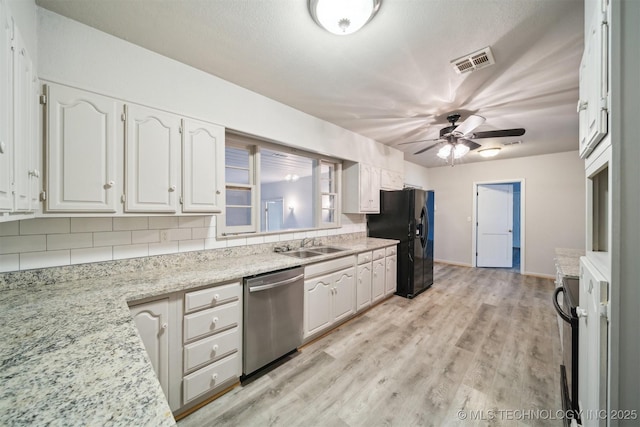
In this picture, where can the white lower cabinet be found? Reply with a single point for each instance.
(379, 275)
(329, 294)
(391, 272)
(152, 321)
(194, 341)
(365, 274)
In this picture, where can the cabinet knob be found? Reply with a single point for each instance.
(109, 184)
(214, 377)
(217, 191)
(164, 325)
(172, 188)
(3, 146)
(582, 105)
(214, 348)
(216, 297)
(214, 320)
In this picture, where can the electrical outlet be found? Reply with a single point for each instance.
(164, 236)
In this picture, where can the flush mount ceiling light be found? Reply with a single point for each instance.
(343, 17)
(489, 152)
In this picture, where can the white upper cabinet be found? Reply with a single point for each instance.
(592, 106)
(391, 180)
(6, 110)
(19, 149)
(24, 130)
(202, 167)
(152, 156)
(81, 151)
(361, 191)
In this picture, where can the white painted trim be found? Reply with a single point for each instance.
(474, 219)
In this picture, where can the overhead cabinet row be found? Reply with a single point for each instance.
(107, 156)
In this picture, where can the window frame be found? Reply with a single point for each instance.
(254, 145)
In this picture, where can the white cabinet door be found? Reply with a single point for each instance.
(202, 167)
(152, 320)
(594, 86)
(318, 293)
(152, 160)
(374, 190)
(390, 180)
(377, 282)
(365, 187)
(6, 110)
(593, 343)
(344, 294)
(363, 290)
(391, 277)
(23, 125)
(81, 151)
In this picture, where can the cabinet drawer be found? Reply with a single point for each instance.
(378, 254)
(211, 297)
(391, 250)
(365, 257)
(211, 320)
(329, 266)
(210, 377)
(208, 349)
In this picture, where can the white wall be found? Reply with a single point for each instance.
(75, 54)
(554, 200)
(416, 175)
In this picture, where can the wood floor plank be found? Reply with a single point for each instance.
(479, 339)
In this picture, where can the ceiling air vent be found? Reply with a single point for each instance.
(473, 61)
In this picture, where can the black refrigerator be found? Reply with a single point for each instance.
(407, 215)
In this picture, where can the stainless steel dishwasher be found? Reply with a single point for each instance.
(272, 317)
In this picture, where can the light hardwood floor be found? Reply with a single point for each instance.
(477, 340)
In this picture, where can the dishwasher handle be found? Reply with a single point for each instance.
(275, 285)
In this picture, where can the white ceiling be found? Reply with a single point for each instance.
(391, 81)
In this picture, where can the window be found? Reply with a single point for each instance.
(272, 188)
(240, 189)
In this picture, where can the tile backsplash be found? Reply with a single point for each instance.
(51, 242)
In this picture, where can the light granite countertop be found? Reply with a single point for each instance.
(568, 261)
(70, 352)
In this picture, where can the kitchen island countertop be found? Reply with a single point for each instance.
(71, 354)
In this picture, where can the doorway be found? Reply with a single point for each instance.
(273, 214)
(498, 225)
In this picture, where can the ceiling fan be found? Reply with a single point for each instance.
(456, 140)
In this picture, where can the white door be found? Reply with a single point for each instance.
(365, 188)
(391, 279)
(22, 124)
(377, 282)
(151, 320)
(203, 167)
(593, 343)
(494, 244)
(81, 151)
(152, 155)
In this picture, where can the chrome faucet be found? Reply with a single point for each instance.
(307, 240)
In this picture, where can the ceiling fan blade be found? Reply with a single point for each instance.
(471, 122)
(472, 145)
(498, 133)
(421, 140)
(425, 149)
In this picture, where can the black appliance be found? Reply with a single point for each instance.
(407, 215)
(570, 291)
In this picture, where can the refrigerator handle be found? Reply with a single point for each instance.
(424, 227)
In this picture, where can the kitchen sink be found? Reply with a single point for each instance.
(313, 251)
(326, 249)
(302, 254)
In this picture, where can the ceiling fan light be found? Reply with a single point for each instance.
(489, 152)
(343, 17)
(444, 152)
(460, 150)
